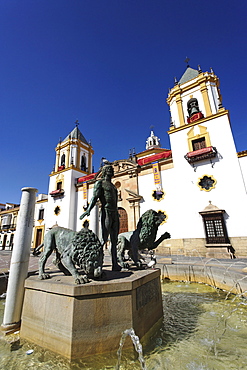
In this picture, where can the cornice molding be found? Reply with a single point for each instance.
(220, 113)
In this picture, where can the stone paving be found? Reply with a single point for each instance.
(237, 265)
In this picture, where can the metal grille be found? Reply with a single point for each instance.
(215, 229)
(199, 143)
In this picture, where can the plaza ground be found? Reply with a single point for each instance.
(228, 274)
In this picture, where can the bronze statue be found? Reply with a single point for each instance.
(106, 192)
(72, 248)
(142, 238)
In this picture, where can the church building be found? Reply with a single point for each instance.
(199, 183)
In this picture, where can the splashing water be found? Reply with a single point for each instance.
(137, 345)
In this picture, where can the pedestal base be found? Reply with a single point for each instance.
(81, 320)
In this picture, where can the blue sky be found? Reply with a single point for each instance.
(109, 64)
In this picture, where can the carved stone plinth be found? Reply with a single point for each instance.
(81, 320)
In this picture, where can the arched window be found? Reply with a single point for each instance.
(192, 106)
(83, 163)
(63, 160)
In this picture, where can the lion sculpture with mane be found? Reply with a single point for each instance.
(142, 238)
(82, 249)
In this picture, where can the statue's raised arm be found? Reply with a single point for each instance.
(93, 201)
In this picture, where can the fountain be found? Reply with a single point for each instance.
(203, 328)
(75, 317)
(81, 322)
(137, 345)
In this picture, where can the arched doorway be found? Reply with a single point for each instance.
(123, 218)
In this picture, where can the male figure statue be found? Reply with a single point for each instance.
(106, 192)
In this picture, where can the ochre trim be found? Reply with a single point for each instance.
(188, 125)
(60, 178)
(61, 147)
(78, 156)
(148, 152)
(72, 167)
(165, 220)
(42, 200)
(158, 200)
(68, 156)
(90, 155)
(204, 91)
(242, 154)
(57, 158)
(42, 227)
(203, 133)
(180, 111)
(213, 187)
(199, 80)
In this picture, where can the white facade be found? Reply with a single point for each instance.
(182, 176)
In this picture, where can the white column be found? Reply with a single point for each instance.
(19, 261)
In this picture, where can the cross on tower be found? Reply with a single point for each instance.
(187, 61)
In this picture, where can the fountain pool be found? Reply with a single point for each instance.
(203, 329)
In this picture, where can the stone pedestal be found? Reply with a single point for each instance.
(81, 320)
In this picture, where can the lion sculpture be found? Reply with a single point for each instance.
(82, 249)
(142, 238)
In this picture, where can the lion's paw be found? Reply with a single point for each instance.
(82, 279)
(139, 265)
(44, 276)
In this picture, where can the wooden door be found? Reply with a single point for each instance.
(123, 217)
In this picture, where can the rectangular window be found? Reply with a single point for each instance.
(215, 229)
(41, 214)
(59, 185)
(6, 220)
(199, 143)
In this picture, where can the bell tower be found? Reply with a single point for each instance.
(152, 141)
(197, 116)
(195, 96)
(73, 160)
(74, 152)
(205, 161)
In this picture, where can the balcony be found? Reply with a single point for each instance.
(201, 154)
(57, 193)
(10, 227)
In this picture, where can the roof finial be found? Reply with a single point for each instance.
(77, 123)
(187, 61)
